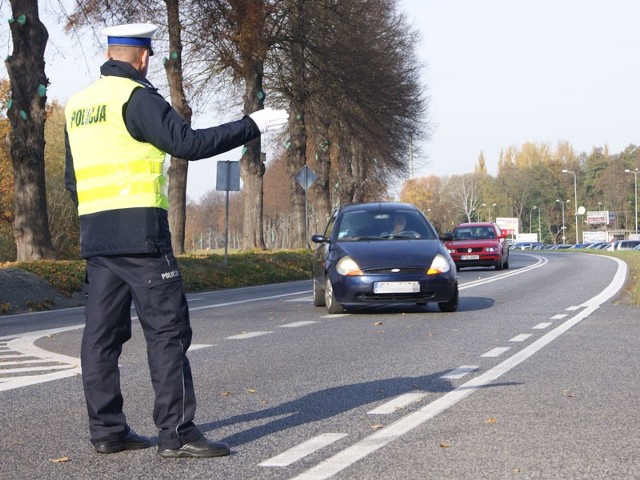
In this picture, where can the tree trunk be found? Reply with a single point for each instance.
(26, 114)
(296, 158)
(179, 167)
(252, 165)
(322, 187)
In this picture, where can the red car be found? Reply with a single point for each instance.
(480, 244)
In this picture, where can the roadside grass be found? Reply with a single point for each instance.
(199, 272)
(632, 259)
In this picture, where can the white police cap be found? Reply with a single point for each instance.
(131, 34)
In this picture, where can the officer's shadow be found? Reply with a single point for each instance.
(327, 403)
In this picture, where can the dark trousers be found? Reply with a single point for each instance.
(154, 284)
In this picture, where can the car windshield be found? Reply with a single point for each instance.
(358, 225)
(474, 233)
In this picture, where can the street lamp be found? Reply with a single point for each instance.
(532, 209)
(575, 198)
(564, 238)
(489, 206)
(635, 181)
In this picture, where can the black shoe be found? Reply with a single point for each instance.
(197, 449)
(132, 441)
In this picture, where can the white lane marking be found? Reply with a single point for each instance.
(496, 352)
(248, 300)
(521, 338)
(61, 366)
(25, 345)
(541, 326)
(25, 381)
(304, 449)
(460, 372)
(559, 316)
(20, 360)
(575, 307)
(335, 315)
(199, 346)
(4, 358)
(35, 369)
(382, 437)
(301, 323)
(244, 336)
(539, 263)
(398, 403)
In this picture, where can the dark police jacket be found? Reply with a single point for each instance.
(149, 118)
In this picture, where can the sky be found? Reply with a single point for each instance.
(498, 73)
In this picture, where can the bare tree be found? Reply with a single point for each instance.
(464, 192)
(27, 118)
(240, 34)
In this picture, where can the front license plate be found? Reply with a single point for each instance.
(470, 257)
(396, 287)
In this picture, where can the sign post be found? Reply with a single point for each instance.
(227, 179)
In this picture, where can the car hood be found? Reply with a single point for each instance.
(392, 253)
(472, 243)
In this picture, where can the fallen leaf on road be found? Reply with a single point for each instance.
(226, 393)
(378, 323)
(444, 445)
(491, 420)
(251, 390)
(60, 460)
(377, 426)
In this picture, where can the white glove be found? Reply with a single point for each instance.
(269, 119)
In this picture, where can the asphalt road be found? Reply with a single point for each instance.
(535, 377)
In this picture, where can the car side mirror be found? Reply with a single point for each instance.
(319, 239)
(447, 237)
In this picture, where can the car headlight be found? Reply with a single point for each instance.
(451, 250)
(440, 264)
(491, 249)
(347, 266)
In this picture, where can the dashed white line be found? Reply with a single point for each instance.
(541, 326)
(496, 352)
(245, 335)
(559, 316)
(521, 338)
(298, 324)
(460, 372)
(302, 450)
(398, 403)
(379, 439)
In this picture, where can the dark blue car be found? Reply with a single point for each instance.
(382, 253)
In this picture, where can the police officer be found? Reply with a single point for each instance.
(118, 132)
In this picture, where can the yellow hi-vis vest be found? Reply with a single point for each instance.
(113, 170)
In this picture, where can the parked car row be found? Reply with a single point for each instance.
(617, 245)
